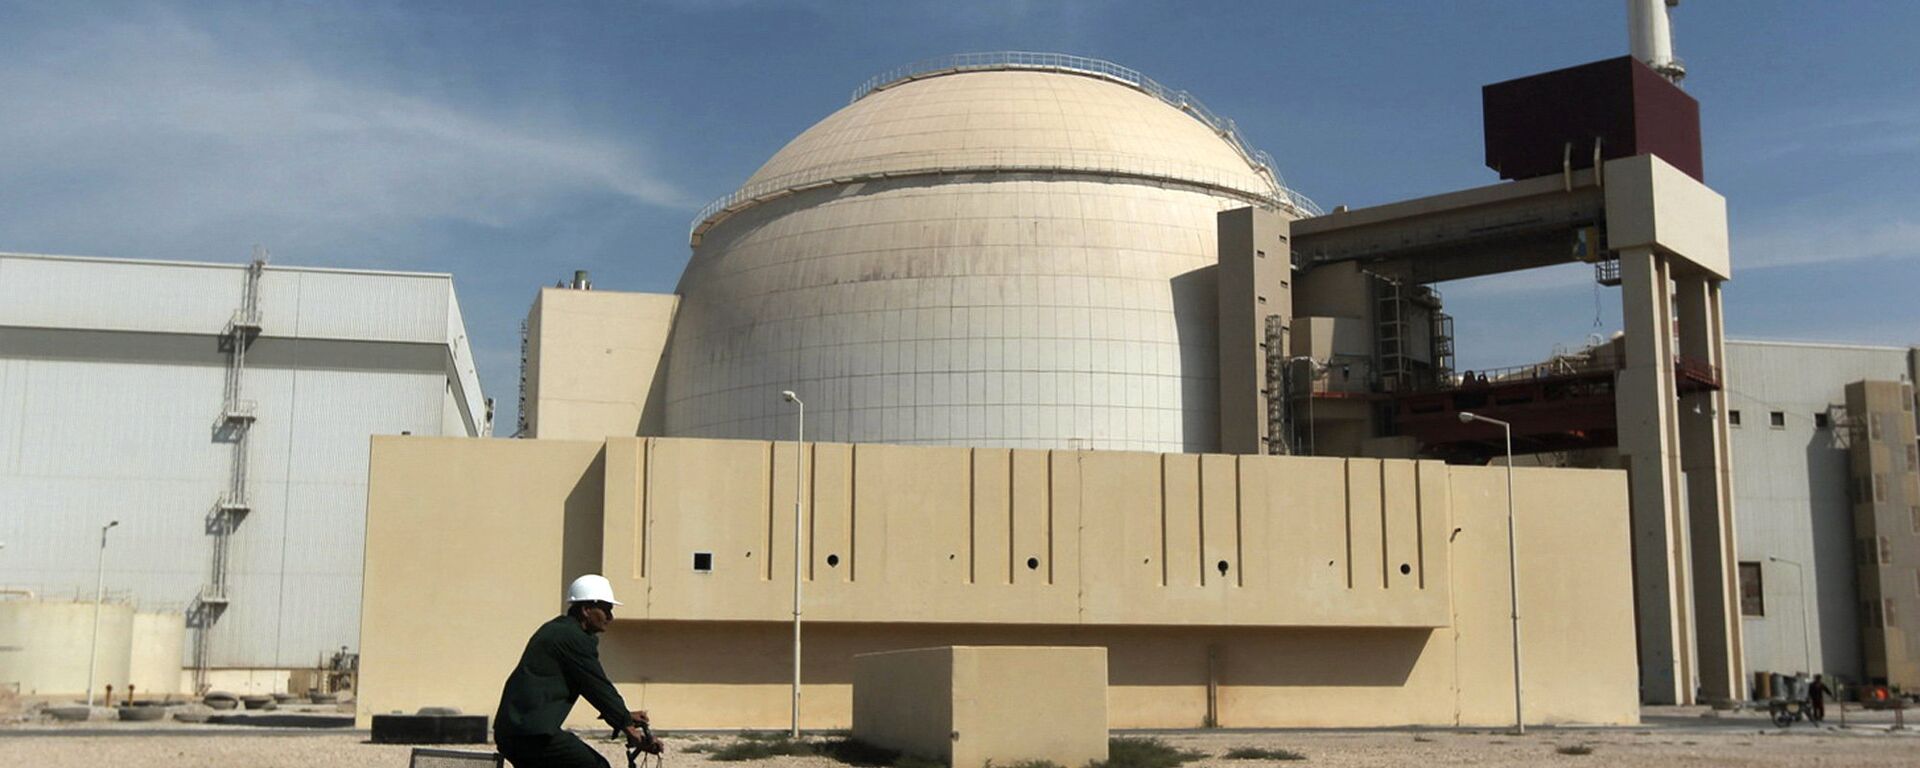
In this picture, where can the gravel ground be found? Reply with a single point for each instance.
(1684, 739)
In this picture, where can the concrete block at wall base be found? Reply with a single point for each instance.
(968, 706)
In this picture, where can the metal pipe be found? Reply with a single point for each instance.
(1513, 570)
(799, 459)
(99, 582)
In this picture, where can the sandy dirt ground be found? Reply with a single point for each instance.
(1668, 738)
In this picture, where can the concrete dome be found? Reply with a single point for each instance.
(995, 252)
(1012, 119)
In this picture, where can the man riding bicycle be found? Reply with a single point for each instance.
(561, 664)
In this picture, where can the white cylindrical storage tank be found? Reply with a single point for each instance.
(1005, 250)
(48, 644)
(159, 638)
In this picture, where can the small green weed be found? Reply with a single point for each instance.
(1575, 749)
(740, 751)
(1251, 753)
(1144, 753)
(916, 761)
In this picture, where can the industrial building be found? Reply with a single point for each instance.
(220, 413)
(1076, 367)
(1824, 478)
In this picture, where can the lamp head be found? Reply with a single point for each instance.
(789, 396)
(1466, 417)
(112, 523)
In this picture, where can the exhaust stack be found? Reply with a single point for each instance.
(1651, 36)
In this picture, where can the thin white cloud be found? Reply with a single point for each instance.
(161, 127)
(1804, 240)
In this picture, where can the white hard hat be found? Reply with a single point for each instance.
(591, 588)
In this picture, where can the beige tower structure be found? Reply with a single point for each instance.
(1634, 204)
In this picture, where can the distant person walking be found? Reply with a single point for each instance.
(1817, 693)
(561, 664)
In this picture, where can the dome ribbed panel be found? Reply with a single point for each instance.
(1010, 119)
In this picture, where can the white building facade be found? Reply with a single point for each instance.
(118, 402)
(1791, 435)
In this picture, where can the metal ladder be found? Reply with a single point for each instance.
(233, 425)
(1391, 335)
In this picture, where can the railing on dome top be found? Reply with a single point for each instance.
(1224, 128)
(1181, 100)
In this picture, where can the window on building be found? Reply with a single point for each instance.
(1778, 419)
(1879, 488)
(1733, 418)
(1886, 551)
(1906, 397)
(1913, 457)
(1888, 616)
(1822, 421)
(1752, 600)
(1873, 426)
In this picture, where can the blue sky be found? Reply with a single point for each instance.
(511, 143)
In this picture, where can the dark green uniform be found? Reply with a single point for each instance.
(561, 664)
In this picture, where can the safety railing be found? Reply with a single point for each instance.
(1274, 188)
(978, 161)
(1061, 62)
(1554, 368)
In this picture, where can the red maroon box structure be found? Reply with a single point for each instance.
(1625, 105)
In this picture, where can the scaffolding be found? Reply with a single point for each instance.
(1406, 360)
(232, 427)
(520, 420)
(1278, 425)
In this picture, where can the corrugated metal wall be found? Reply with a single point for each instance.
(88, 439)
(1790, 495)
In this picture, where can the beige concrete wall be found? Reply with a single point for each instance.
(1650, 203)
(903, 700)
(1312, 625)
(1253, 282)
(902, 534)
(593, 361)
(972, 706)
(468, 551)
(1001, 693)
(1886, 540)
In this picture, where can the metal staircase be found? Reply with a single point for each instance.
(1278, 425)
(232, 427)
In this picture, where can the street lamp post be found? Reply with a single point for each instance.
(1513, 570)
(1315, 369)
(1806, 632)
(99, 582)
(799, 435)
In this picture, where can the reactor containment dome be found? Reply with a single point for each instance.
(989, 249)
